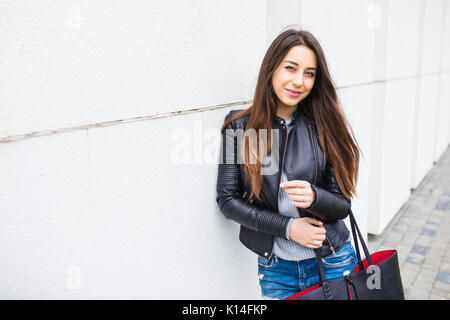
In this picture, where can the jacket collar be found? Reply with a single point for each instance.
(294, 116)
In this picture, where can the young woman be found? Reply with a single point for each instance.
(291, 214)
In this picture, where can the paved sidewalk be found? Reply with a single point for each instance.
(420, 231)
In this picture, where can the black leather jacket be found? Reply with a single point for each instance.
(303, 159)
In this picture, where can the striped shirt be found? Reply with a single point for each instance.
(289, 249)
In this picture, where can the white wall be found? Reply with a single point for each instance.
(389, 62)
(98, 99)
(349, 49)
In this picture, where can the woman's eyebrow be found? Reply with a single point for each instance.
(295, 63)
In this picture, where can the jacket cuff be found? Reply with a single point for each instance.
(329, 206)
(288, 226)
(315, 195)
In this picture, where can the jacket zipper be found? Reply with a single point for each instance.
(331, 247)
(282, 164)
(315, 177)
(279, 180)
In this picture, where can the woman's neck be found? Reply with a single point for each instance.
(285, 112)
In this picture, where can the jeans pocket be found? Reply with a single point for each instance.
(341, 258)
(266, 262)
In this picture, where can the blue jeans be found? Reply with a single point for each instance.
(280, 279)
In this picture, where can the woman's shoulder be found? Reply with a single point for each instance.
(239, 122)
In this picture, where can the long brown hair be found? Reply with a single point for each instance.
(321, 107)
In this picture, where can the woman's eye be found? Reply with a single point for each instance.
(311, 74)
(290, 68)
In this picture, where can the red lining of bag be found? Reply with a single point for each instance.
(376, 257)
(349, 291)
(303, 292)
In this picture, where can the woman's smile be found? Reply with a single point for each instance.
(294, 93)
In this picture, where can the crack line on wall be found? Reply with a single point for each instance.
(40, 133)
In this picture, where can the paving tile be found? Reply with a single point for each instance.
(418, 294)
(440, 214)
(423, 240)
(408, 276)
(438, 244)
(419, 249)
(417, 223)
(443, 205)
(423, 283)
(433, 221)
(411, 266)
(443, 276)
(394, 237)
(430, 266)
(442, 236)
(414, 260)
(433, 227)
(420, 232)
(436, 252)
(433, 259)
(402, 255)
(428, 232)
(400, 229)
(388, 245)
(446, 253)
(442, 285)
(445, 266)
(445, 223)
(409, 239)
(429, 275)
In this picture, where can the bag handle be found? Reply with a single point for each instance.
(354, 226)
(356, 234)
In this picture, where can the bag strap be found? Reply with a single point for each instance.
(323, 281)
(361, 239)
(356, 234)
(355, 240)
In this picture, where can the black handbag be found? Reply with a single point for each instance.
(375, 278)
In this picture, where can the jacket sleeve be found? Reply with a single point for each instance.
(229, 192)
(330, 204)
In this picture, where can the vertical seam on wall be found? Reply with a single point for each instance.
(376, 134)
(439, 80)
(417, 93)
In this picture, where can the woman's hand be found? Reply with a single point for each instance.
(299, 192)
(308, 232)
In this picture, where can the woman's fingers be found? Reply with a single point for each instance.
(298, 191)
(322, 231)
(314, 221)
(295, 197)
(320, 237)
(308, 232)
(315, 244)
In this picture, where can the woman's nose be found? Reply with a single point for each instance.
(298, 80)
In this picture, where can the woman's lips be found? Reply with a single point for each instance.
(293, 93)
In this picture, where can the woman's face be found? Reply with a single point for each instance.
(294, 78)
